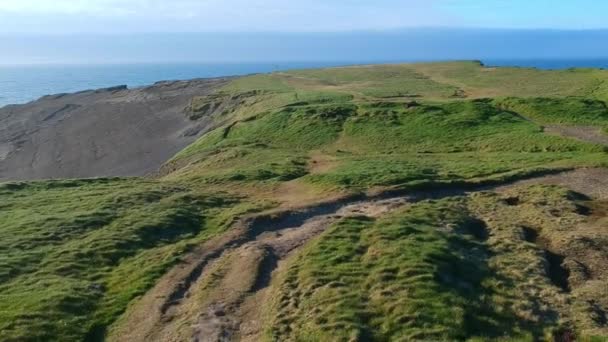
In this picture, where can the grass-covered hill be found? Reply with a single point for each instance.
(442, 201)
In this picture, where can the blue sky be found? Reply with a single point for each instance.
(134, 31)
(122, 16)
(352, 47)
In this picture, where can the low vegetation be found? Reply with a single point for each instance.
(486, 266)
(75, 253)
(383, 144)
(569, 111)
(463, 268)
(403, 277)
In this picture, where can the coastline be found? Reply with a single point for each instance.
(21, 84)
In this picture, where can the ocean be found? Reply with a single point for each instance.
(23, 83)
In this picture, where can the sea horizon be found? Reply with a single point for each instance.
(22, 83)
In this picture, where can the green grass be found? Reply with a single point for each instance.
(344, 113)
(295, 127)
(250, 163)
(384, 144)
(420, 170)
(75, 253)
(570, 111)
(456, 269)
(453, 127)
(445, 81)
(420, 274)
(377, 81)
(521, 261)
(481, 81)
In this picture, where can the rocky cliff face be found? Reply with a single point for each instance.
(106, 132)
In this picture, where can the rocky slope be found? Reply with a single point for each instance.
(106, 132)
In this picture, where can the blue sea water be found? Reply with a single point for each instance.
(549, 64)
(23, 83)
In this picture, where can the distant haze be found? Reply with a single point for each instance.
(136, 16)
(365, 46)
(227, 31)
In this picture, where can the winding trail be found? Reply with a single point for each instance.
(254, 247)
(591, 182)
(216, 292)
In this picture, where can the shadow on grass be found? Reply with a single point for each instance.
(467, 274)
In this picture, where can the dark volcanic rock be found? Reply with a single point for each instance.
(105, 132)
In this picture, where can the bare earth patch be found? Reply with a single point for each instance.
(571, 238)
(321, 163)
(592, 182)
(97, 133)
(208, 297)
(217, 292)
(296, 193)
(585, 133)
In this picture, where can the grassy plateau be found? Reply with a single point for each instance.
(520, 264)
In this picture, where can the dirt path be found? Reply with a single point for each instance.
(230, 270)
(591, 182)
(208, 296)
(589, 134)
(217, 292)
(238, 317)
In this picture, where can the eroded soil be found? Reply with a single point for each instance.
(216, 294)
(218, 291)
(592, 182)
(211, 296)
(590, 134)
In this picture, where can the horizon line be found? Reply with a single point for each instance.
(335, 63)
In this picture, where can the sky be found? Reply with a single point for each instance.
(137, 16)
(154, 31)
